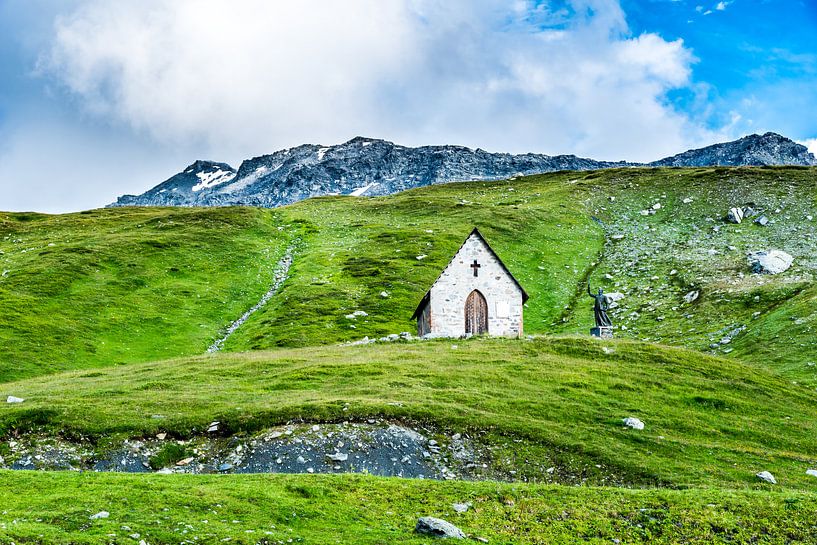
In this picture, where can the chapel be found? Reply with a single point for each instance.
(475, 294)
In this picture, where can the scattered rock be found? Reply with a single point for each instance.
(687, 200)
(763, 221)
(633, 423)
(617, 237)
(213, 427)
(735, 215)
(384, 294)
(12, 399)
(811, 472)
(184, 461)
(692, 296)
(161, 436)
(435, 527)
(766, 476)
(100, 515)
(770, 262)
(338, 457)
(461, 507)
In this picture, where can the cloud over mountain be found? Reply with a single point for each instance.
(249, 76)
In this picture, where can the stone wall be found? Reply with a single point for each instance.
(457, 281)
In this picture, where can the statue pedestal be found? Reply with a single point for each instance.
(602, 332)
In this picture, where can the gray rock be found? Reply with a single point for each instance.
(811, 472)
(461, 507)
(634, 423)
(770, 262)
(12, 399)
(767, 477)
(338, 457)
(763, 221)
(100, 515)
(735, 215)
(692, 296)
(369, 167)
(431, 526)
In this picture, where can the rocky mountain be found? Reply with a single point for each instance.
(364, 166)
(752, 150)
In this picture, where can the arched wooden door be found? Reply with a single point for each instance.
(476, 314)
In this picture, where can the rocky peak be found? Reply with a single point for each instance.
(368, 166)
(753, 150)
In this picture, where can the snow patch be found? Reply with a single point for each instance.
(321, 153)
(361, 190)
(246, 180)
(211, 179)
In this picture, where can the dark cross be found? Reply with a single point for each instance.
(476, 267)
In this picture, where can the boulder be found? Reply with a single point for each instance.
(692, 296)
(634, 423)
(735, 215)
(770, 262)
(13, 399)
(767, 477)
(435, 527)
(763, 221)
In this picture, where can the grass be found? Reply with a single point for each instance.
(709, 421)
(311, 509)
(111, 287)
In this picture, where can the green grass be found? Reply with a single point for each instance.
(111, 287)
(709, 421)
(164, 510)
(130, 285)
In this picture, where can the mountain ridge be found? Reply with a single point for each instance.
(373, 167)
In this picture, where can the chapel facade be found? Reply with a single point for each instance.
(475, 294)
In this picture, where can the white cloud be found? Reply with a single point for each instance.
(251, 76)
(811, 144)
(721, 6)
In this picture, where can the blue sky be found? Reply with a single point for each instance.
(99, 98)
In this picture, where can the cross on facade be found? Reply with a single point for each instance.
(476, 267)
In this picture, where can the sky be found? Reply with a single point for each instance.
(101, 98)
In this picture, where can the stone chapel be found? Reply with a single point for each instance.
(476, 294)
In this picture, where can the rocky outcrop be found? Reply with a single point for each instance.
(365, 166)
(753, 150)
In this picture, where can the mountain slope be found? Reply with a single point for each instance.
(535, 404)
(108, 287)
(370, 167)
(753, 150)
(379, 255)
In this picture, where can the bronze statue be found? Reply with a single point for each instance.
(600, 307)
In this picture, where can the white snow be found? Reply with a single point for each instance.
(246, 180)
(321, 153)
(361, 190)
(366, 144)
(211, 179)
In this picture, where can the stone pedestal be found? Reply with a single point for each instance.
(602, 332)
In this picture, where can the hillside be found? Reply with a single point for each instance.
(544, 410)
(379, 255)
(110, 287)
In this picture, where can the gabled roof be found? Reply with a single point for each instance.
(475, 231)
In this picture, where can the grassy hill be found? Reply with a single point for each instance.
(110, 287)
(105, 316)
(127, 285)
(538, 404)
(318, 509)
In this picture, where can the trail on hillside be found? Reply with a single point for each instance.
(281, 274)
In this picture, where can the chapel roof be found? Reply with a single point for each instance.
(424, 301)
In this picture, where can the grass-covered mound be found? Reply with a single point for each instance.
(164, 510)
(709, 421)
(131, 285)
(117, 286)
